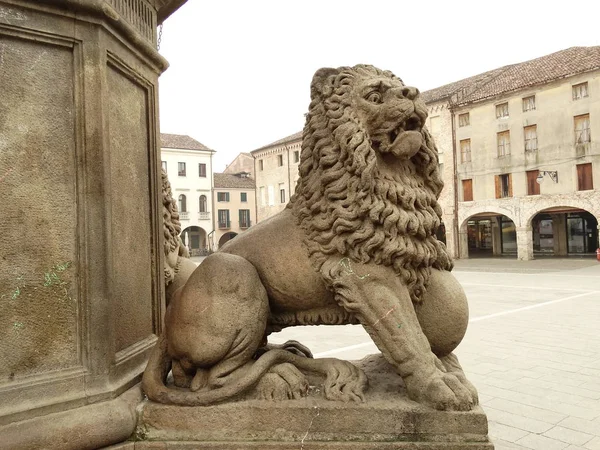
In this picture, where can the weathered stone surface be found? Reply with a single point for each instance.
(387, 419)
(81, 268)
(356, 244)
(88, 427)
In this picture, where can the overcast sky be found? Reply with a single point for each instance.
(241, 69)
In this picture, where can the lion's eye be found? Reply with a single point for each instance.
(374, 97)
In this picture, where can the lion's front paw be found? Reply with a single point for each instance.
(282, 382)
(446, 392)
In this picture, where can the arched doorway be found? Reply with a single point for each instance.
(226, 237)
(489, 234)
(562, 231)
(195, 239)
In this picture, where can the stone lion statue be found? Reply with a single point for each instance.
(177, 267)
(355, 245)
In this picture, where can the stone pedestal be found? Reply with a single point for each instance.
(387, 420)
(81, 279)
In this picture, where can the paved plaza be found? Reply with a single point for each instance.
(532, 349)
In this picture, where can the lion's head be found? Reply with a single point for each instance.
(173, 246)
(369, 177)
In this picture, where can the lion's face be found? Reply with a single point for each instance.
(392, 114)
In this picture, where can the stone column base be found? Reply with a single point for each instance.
(88, 427)
(387, 420)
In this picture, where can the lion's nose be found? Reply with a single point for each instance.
(410, 92)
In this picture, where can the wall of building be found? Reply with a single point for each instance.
(274, 177)
(193, 187)
(553, 116)
(233, 205)
(244, 162)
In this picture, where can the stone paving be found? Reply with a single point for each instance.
(532, 349)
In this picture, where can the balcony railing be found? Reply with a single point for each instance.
(226, 224)
(203, 216)
(184, 215)
(245, 224)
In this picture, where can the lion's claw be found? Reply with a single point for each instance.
(446, 392)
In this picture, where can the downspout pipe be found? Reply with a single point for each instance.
(455, 223)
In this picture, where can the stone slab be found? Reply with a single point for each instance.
(386, 420)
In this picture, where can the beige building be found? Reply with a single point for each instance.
(235, 205)
(276, 168)
(244, 162)
(520, 157)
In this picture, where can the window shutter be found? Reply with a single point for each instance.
(497, 186)
(240, 216)
(510, 192)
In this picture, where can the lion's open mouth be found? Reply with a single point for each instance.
(413, 123)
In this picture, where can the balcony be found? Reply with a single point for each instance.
(224, 225)
(184, 215)
(203, 216)
(245, 224)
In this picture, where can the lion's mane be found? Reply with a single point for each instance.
(171, 229)
(346, 206)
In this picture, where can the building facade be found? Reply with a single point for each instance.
(189, 166)
(235, 205)
(525, 157)
(244, 162)
(276, 169)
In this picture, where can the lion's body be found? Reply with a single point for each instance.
(356, 245)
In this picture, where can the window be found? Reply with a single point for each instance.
(222, 196)
(463, 120)
(580, 90)
(202, 170)
(182, 203)
(585, 181)
(223, 217)
(243, 197)
(530, 134)
(529, 103)
(582, 129)
(261, 165)
(503, 143)
(164, 165)
(181, 169)
(280, 160)
(263, 198)
(503, 186)
(296, 156)
(281, 193)
(501, 110)
(465, 150)
(533, 187)
(244, 218)
(467, 186)
(202, 205)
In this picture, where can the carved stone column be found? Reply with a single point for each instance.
(81, 283)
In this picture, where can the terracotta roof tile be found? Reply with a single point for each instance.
(561, 64)
(181, 141)
(226, 180)
(291, 138)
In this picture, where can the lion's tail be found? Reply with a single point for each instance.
(155, 375)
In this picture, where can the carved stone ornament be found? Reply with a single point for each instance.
(355, 245)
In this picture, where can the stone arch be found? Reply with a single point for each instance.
(226, 237)
(568, 229)
(195, 239)
(486, 231)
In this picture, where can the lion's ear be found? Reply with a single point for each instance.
(322, 82)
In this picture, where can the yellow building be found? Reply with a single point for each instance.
(520, 144)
